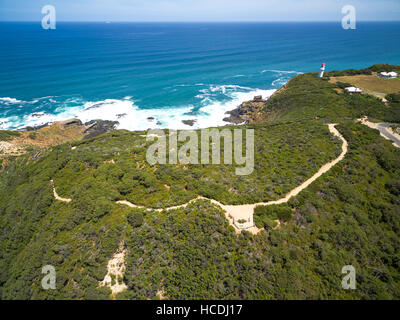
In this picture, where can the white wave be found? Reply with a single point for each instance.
(6, 123)
(188, 85)
(210, 113)
(216, 112)
(280, 81)
(10, 100)
(225, 88)
(283, 71)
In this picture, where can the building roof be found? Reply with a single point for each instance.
(389, 74)
(353, 89)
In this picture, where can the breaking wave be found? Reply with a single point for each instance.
(209, 110)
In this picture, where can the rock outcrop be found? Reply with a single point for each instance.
(244, 112)
(97, 127)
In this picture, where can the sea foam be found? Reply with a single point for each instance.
(208, 112)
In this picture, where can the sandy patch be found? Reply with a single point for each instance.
(56, 196)
(115, 272)
(10, 149)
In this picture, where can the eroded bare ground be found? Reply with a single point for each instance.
(10, 149)
(115, 272)
(54, 134)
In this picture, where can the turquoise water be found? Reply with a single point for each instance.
(170, 71)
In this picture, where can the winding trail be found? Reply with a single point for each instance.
(241, 216)
(384, 130)
(56, 196)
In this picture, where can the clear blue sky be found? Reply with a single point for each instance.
(199, 10)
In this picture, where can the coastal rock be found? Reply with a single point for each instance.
(100, 104)
(37, 115)
(244, 112)
(70, 122)
(189, 122)
(97, 127)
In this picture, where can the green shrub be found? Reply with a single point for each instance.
(268, 223)
(284, 214)
(393, 97)
(135, 218)
(343, 85)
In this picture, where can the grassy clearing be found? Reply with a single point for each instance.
(371, 84)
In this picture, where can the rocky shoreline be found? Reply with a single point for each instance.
(245, 112)
(90, 129)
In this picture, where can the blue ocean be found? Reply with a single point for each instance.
(148, 75)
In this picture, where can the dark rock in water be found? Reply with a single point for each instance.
(37, 115)
(97, 127)
(244, 112)
(121, 115)
(189, 122)
(99, 105)
(159, 123)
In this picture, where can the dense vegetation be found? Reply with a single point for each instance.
(351, 215)
(367, 71)
(308, 97)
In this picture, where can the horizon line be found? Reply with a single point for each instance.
(199, 21)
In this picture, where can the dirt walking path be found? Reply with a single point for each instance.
(384, 130)
(241, 216)
(235, 213)
(56, 196)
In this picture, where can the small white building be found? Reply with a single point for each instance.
(353, 90)
(388, 75)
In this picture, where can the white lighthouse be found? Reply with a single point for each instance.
(322, 70)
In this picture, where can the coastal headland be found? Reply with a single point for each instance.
(323, 194)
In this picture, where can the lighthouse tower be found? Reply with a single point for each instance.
(322, 70)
